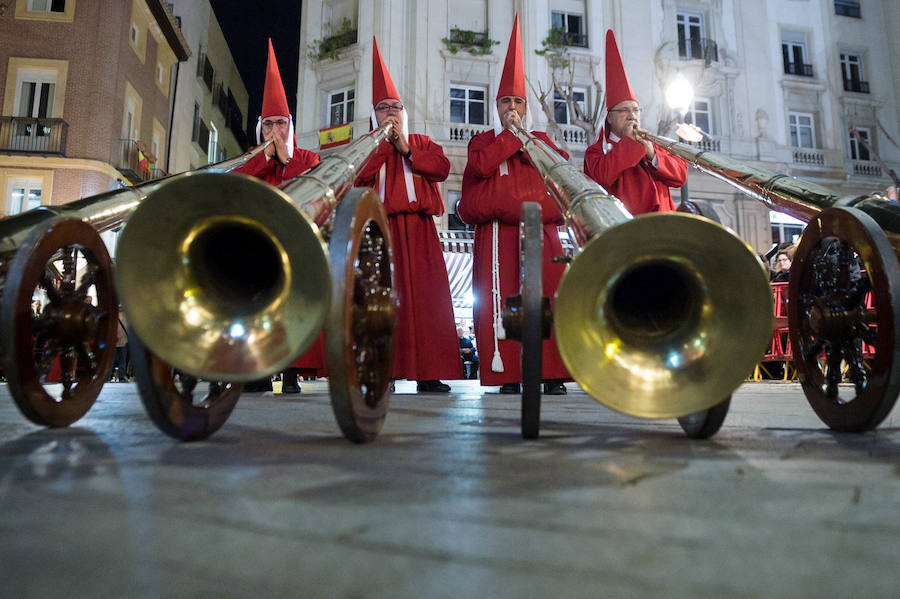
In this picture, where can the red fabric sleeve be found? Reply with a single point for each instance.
(257, 166)
(485, 155)
(672, 170)
(428, 159)
(366, 177)
(606, 169)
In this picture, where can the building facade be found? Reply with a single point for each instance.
(86, 97)
(209, 120)
(777, 83)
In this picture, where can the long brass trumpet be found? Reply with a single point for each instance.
(226, 277)
(657, 316)
(849, 250)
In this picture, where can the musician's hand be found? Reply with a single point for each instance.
(510, 118)
(631, 130)
(396, 137)
(278, 146)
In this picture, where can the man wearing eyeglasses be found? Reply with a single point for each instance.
(630, 167)
(405, 172)
(282, 159)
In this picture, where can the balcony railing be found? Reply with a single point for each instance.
(461, 132)
(698, 49)
(809, 156)
(855, 85)
(573, 135)
(576, 40)
(796, 68)
(33, 136)
(847, 8)
(707, 145)
(866, 168)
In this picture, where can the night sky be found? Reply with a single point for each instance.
(246, 25)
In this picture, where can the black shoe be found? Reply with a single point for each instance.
(260, 386)
(554, 387)
(290, 389)
(510, 389)
(432, 387)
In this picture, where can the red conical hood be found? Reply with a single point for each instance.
(512, 82)
(382, 85)
(617, 86)
(274, 101)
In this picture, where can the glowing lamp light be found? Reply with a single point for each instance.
(679, 94)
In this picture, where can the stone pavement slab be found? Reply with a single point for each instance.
(449, 501)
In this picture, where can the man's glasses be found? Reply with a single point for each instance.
(269, 124)
(389, 107)
(635, 111)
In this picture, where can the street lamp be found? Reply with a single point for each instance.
(679, 96)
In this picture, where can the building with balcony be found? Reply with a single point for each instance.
(209, 120)
(777, 84)
(86, 97)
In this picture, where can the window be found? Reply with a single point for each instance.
(56, 6)
(195, 129)
(847, 8)
(852, 71)
(35, 100)
(793, 52)
(212, 148)
(859, 151)
(561, 108)
(159, 73)
(23, 194)
(135, 34)
(572, 26)
(467, 105)
(690, 32)
(340, 106)
(700, 115)
(802, 130)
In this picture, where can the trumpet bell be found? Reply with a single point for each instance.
(663, 316)
(223, 277)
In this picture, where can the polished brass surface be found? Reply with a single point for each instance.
(658, 316)
(226, 277)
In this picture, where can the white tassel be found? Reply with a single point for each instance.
(499, 331)
(497, 363)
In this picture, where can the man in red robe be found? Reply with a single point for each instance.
(498, 178)
(629, 167)
(405, 172)
(281, 161)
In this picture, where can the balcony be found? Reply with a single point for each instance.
(796, 68)
(576, 40)
(707, 144)
(33, 136)
(855, 85)
(847, 8)
(698, 49)
(573, 135)
(866, 168)
(137, 162)
(463, 133)
(808, 157)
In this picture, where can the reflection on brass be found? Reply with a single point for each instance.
(657, 316)
(226, 277)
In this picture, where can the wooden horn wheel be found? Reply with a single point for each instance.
(705, 423)
(173, 400)
(842, 256)
(70, 335)
(359, 329)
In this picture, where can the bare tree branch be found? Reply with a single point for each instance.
(859, 138)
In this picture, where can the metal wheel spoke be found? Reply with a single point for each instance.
(87, 281)
(49, 285)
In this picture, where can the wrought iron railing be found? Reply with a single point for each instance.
(33, 135)
(134, 164)
(855, 85)
(796, 68)
(698, 48)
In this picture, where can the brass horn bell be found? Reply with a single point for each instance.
(223, 277)
(663, 316)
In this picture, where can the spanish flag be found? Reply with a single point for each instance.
(334, 136)
(143, 162)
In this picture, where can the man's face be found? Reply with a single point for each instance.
(623, 117)
(507, 103)
(275, 123)
(388, 110)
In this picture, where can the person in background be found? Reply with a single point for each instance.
(468, 354)
(625, 164)
(499, 177)
(405, 172)
(783, 260)
(281, 161)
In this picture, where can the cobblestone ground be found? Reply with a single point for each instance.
(449, 501)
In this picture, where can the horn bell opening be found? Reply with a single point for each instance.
(663, 316)
(223, 277)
